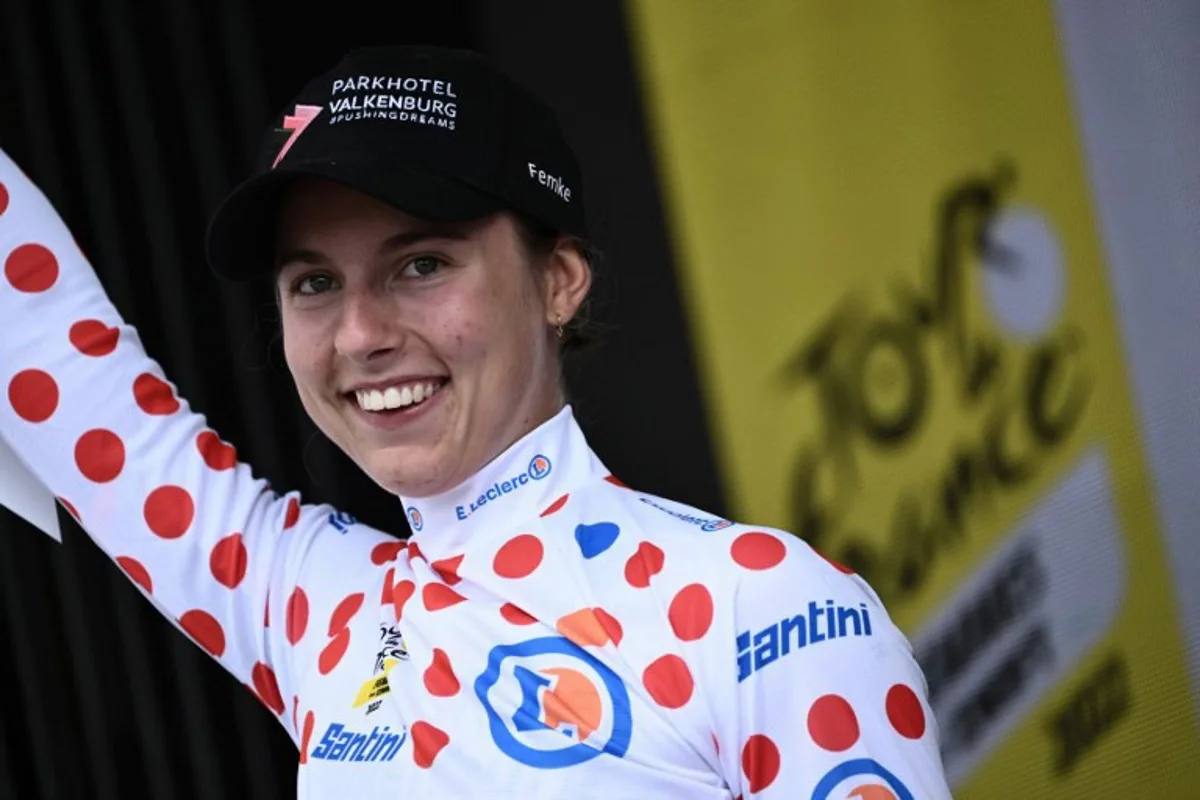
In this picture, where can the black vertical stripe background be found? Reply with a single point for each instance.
(135, 118)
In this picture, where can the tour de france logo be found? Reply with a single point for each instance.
(551, 704)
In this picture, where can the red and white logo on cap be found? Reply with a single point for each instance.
(296, 122)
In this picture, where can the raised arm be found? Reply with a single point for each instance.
(159, 492)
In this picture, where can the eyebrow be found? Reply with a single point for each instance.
(398, 241)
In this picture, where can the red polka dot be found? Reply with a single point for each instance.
(414, 551)
(134, 569)
(31, 268)
(344, 612)
(331, 656)
(610, 625)
(154, 395)
(33, 394)
(669, 681)
(295, 711)
(428, 741)
(832, 724)
(615, 481)
(757, 550)
(388, 587)
(100, 455)
(691, 612)
(905, 713)
(169, 511)
(515, 615)
(228, 560)
(760, 762)
(437, 596)
(643, 565)
(306, 736)
(385, 552)
(404, 590)
(267, 613)
(70, 508)
(555, 506)
(440, 680)
(297, 615)
(217, 454)
(447, 569)
(3, 198)
(519, 556)
(267, 687)
(93, 338)
(205, 629)
(293, 513)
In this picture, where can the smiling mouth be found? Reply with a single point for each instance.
(398, 397)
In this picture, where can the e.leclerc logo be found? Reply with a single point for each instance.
(539, 467)
(415, 521)
(571, 706)
(862, 779)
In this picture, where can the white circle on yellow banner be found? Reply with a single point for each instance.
(1025, 281)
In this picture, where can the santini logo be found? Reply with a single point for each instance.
(822, 623)
(342, 744)
(539, 467)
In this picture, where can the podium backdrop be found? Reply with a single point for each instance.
(915, 281)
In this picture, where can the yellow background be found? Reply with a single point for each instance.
(803, 147)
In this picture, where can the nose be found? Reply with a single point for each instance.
(368, 328)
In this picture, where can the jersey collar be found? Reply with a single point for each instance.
(520, 484)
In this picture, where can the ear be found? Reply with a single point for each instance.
(568, 278)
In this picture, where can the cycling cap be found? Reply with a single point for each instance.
(437, 133)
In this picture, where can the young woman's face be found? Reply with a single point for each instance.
(422, 350)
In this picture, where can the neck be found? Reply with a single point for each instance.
(518, 485)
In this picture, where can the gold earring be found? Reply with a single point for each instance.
(558, 325)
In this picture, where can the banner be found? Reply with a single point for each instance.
(903, 317)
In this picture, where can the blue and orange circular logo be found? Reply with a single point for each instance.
(415, 521)
(551, 704)
(539, 467)
(861, 779)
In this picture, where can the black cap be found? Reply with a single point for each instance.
(437, 133)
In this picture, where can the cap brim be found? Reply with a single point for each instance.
(241, 234)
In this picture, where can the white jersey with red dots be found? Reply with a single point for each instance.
(545, 632)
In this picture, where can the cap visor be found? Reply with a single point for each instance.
(241, 235)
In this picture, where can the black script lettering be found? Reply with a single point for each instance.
(870, 372)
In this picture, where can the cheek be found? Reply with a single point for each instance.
(303, 359)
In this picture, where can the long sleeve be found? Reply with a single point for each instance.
(830, 701)
(211, 546)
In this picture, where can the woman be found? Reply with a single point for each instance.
(545, 632)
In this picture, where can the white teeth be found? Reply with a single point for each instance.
(394, 397)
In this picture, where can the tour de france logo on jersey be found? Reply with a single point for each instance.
(551, 704)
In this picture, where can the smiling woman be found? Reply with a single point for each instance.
(377, 305)
(546, 631)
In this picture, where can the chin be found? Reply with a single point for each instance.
(402, 471)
